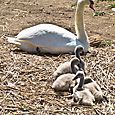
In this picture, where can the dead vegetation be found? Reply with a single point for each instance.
(25, 79)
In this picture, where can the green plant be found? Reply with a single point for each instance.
(99, 13)
(111, 6)
(105, 0)
(105, 43)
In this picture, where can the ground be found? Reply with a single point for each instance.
(26, 79)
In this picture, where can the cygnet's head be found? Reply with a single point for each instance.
(78, 49)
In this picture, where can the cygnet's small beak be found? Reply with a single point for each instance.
(91, 5)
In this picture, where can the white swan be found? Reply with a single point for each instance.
(49, 38)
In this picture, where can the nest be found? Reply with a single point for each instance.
(26, 79)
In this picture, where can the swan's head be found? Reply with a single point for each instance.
(88, 2)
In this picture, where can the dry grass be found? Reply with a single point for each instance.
(25, 83)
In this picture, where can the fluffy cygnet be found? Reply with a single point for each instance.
(80, 94)
(63, 83)
(67, 68)
(94, 88)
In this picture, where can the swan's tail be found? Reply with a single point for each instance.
(13, 40)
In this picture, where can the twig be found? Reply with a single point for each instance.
(98, 112)
(102, 70)
(4, 98)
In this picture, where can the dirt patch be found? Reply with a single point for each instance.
(25, 79)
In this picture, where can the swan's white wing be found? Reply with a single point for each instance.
(46, 30)
(47, 35)
(49, 38)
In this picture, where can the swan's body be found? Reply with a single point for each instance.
(49, 38)
(81, 94)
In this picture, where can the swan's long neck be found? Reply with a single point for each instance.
(81, 65)
(79, 22)
(74, 63)
(77, 54)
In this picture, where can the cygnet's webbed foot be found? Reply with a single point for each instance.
(102, 99)
(38, 50)
(75, 100)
